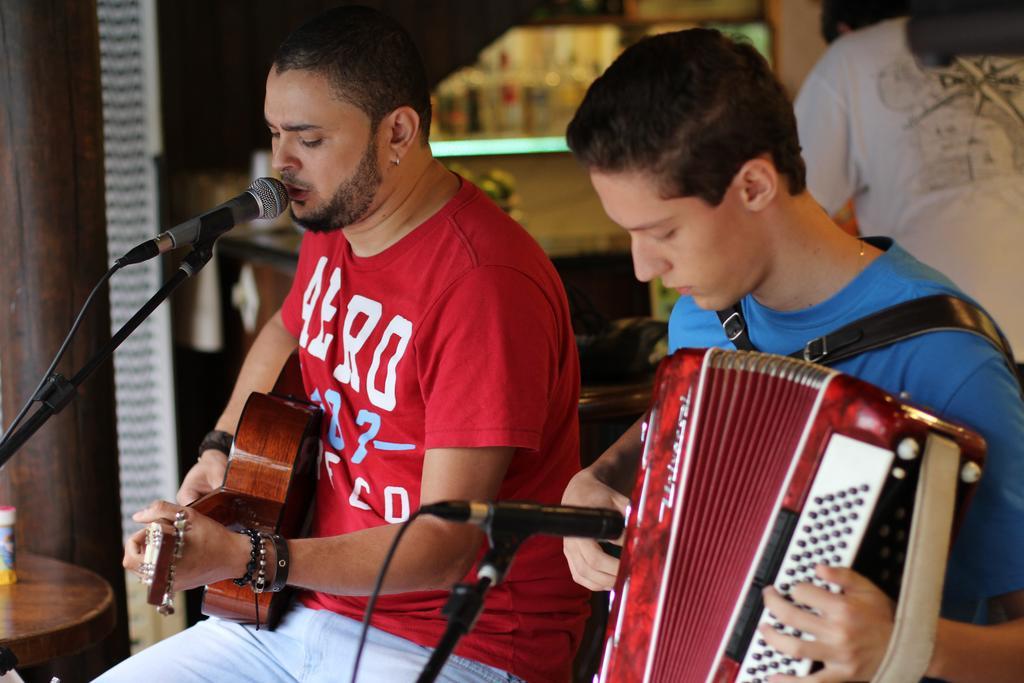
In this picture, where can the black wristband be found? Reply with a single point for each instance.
(216, 440)
(282, 562)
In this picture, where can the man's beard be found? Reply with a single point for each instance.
(352, 199)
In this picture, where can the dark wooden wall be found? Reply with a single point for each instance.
(53, 247)
(214, 59)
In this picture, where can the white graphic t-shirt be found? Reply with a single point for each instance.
(933, 157)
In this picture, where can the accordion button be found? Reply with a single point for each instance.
(908, 449)
(970, 473)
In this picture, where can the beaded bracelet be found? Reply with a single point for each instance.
(259, 582)
(254, 552)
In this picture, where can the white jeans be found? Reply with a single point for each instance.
(308, 646)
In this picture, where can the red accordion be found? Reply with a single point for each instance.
(755, 469)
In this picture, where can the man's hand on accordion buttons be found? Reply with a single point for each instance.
(591, 566)
(851, 629)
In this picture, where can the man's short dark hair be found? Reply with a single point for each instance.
(369, 59)
(690, 108)
(857, 14)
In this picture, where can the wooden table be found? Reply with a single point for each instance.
(54, 609)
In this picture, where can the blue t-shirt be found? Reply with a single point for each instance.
(957, 375)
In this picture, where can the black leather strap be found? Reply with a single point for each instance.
(282, 562)
(735, 327)
(937, 313)
(216, 440)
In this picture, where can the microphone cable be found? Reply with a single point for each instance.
(35, 396)
(372, 601)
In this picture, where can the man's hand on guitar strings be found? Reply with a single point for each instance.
(212, 552)
(851, 629)
(591, 566)
(205, 476)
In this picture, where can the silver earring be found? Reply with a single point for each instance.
(395, 161)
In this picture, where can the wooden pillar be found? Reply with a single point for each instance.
(64, 481)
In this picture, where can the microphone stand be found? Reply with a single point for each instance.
(467, 600)
(58, 391)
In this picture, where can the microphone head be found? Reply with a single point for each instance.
(271, 195)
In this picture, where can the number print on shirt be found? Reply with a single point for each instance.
(372, 421)
(333, 408)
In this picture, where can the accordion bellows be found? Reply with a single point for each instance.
(755, 469)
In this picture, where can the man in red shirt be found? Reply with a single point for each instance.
(436, 336)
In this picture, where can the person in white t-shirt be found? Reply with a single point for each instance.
(933, 157)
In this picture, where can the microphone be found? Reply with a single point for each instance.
(265, 198)
(528, 518)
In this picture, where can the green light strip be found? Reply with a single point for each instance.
(475, 148)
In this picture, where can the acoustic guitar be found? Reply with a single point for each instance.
(268, 486)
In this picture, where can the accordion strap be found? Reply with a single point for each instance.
(937, 313)
(735, 327)
(917, 613)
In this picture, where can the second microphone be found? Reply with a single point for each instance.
(530, 518)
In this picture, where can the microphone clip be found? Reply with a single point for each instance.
(498, 558)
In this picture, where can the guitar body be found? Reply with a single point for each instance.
(269, 485)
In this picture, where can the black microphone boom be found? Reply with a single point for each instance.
(265, 198)
(524, 519)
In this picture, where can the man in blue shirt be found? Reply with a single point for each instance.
(691, 145)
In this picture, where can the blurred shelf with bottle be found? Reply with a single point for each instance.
(521, 93)
(500, 122)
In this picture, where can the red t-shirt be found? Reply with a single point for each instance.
(456, 336)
